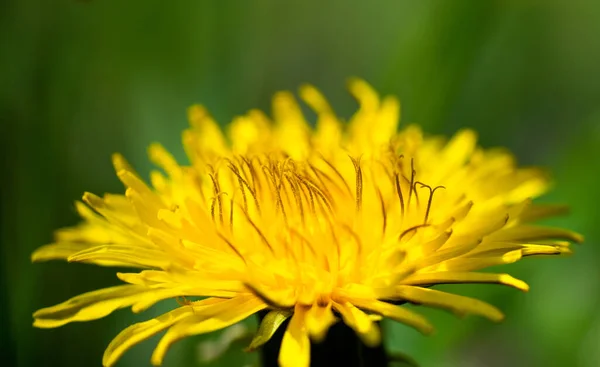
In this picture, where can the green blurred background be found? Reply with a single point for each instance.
(80, 80)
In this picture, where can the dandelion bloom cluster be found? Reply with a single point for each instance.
(337, 221)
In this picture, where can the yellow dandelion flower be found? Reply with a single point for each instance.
(315, 224)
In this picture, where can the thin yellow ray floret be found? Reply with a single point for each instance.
(295, 346)
(210, 318)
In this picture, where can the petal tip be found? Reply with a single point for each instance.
(35, 256)
(499, 318)
(430, 330)
(514, 282)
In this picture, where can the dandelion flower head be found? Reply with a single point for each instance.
(340, 222)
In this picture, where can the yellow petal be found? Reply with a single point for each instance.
(149, 299)
(170, 245)
(142, 331)
(318, 321)
(292, 131)
(490, 249)
(366, 96)
(145, 201)
(126, 255)
(433, 245)
(365, 327)
(478, 261)
(207, 134)
(526, 233)
(449, 277)
(533, 249)
(244, 133)
(162, 158)
(173, 285)
(295, 346)
(459, 148)
(396, 313)
(59, 251)
(313, 97)
(120, 163)
(121, 204)
(386, 122)
(462, 247)
(460, 305)
(98, 229)
(88, 306)
(113, 216)
(206, 319)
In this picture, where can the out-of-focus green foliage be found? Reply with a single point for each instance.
(82, 79)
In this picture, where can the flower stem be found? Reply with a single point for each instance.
(341, 347)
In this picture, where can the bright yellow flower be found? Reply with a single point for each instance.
(308, 223)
